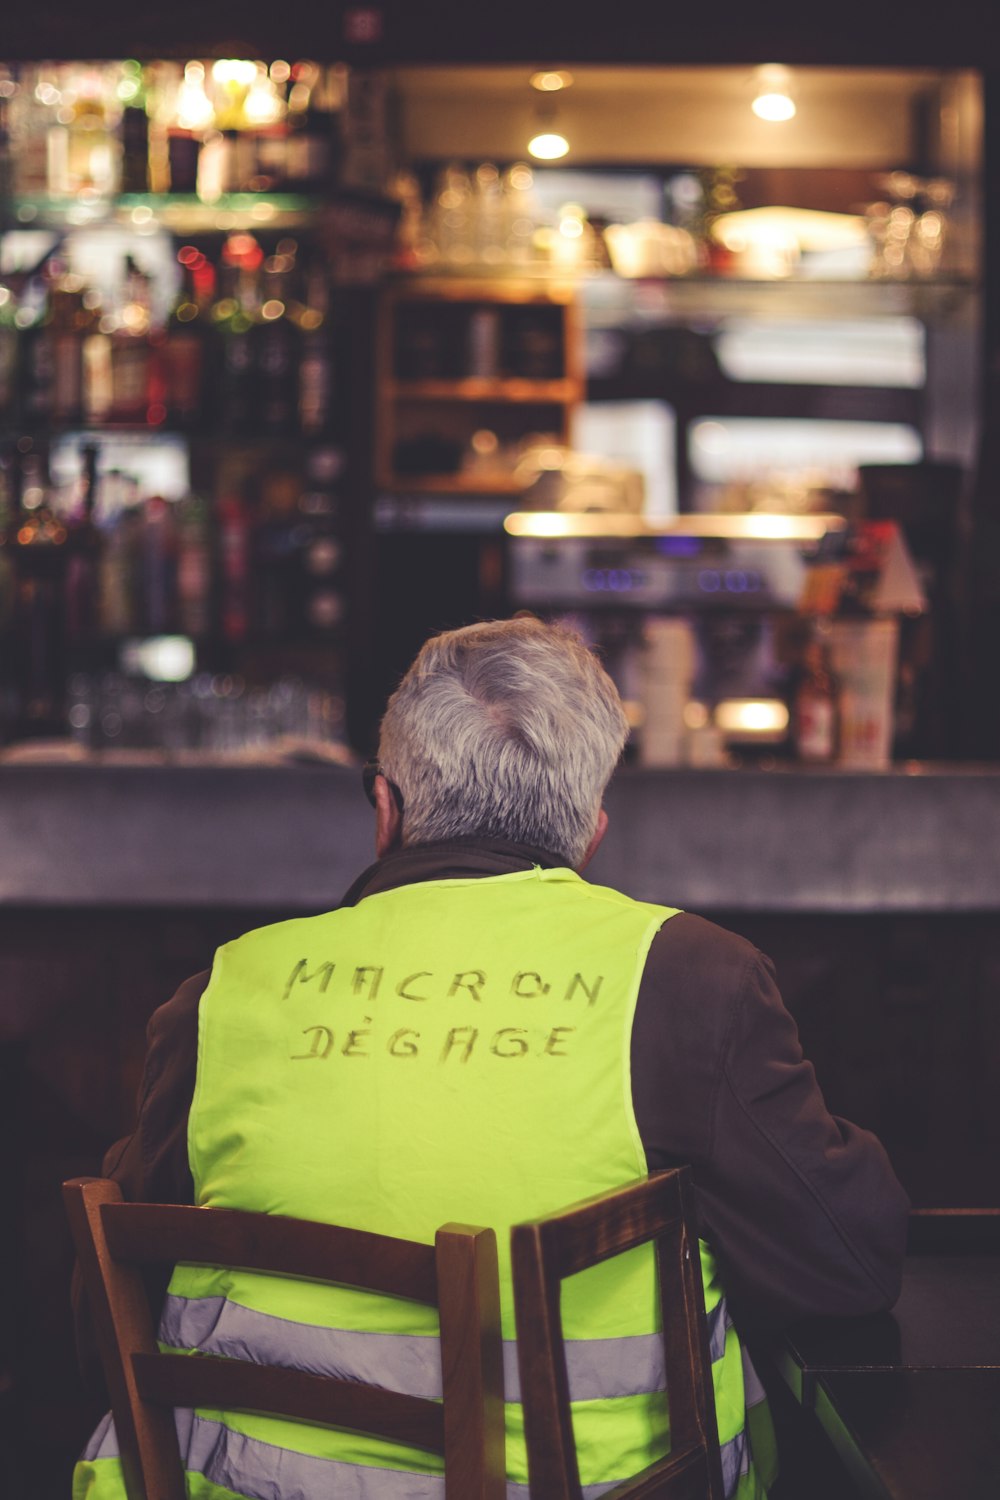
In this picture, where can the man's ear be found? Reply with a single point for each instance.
(592, 847)
(388, 819)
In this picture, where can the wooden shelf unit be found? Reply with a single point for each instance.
(429, 389)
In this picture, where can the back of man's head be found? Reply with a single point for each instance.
(510, 729)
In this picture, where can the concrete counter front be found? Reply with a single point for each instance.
(923, 839)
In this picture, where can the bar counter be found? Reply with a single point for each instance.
(919, 838)
(876, 896)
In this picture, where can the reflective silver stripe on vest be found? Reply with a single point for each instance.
(599, 1369)
(103, 1441)
(260, 1471)
(753, 1392)
(719, 1322)
(735, 1462)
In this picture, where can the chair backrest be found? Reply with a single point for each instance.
(546, 1251)
(458, 1275)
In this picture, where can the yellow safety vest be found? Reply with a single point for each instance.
(455, 1049)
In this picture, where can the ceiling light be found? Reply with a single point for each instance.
(772, 94)
(774, 107)
(549, 146)
(548, 82)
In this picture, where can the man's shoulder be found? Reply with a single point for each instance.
(691, 951)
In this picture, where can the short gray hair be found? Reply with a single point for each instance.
(509, 729)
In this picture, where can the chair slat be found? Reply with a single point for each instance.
(236, 1385)
(153, 1234)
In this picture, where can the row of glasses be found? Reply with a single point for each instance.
(219, 714)
(909, 227)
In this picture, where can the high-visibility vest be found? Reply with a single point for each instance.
(449, 1049)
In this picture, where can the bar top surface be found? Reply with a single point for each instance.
(918, 838)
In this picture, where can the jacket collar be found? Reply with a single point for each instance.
(451, 859)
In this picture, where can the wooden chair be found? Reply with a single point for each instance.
(458, 1275)
(544, 1253)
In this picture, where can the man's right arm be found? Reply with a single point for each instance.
(151, 1164)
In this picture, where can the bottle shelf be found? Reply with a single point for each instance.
(462, 483)
(180, 213)
(500, 389)
(206, 435)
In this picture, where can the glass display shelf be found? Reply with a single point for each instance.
(179, 212)
(607, 296)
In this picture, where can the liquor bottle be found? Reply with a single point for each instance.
(83, 550)
(233, 524)
(159, 566)
(98, 388)
(38, 627)
(194, 567)
(8, 88)
(130, 352)
(533, 347)
(193, 117)
(264, 110)
(92, 163)
(276, 345)
(9, 348)
(235, 314)
(316, 366)
(37, 352)
(69, 320)
(313, 121)
(132, 90)
(184, 352)
(119, 571)
(816, 706)
(279, 537)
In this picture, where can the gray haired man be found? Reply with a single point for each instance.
(478, 1033)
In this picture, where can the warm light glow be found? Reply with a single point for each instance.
(758, 526)
(811, 229)
(774, 107)
(233, 70)
(263, 105)
(162, 658)
(548, 146)
(550, 82)
(756, 716)
(195, 110)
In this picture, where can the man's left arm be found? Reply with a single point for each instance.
(803, 1209)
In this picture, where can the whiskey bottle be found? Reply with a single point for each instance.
(816, 706)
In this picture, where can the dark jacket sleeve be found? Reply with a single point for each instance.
(151, 1164)
(803, 1209)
